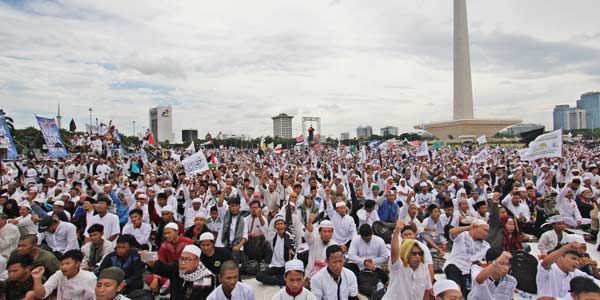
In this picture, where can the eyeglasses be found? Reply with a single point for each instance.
(417, 253)
(186, 260)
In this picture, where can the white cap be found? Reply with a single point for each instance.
(142, 196)
(340, 204)
(423, 183)
(278, 217)
(59, 203)
(478, 222)
(207, 236)
(172, 226)
(25, 205)
(168, 208)
(325, 224)
(574, 238)
(197, 200)
(294, 265)
(192, 249)
(554, 219)
(443, 285)
(522, 189)
(201, 214)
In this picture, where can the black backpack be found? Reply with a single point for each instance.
(367, 282)
(140, 295)
(380, 230)
(524, 269)
(250, 267)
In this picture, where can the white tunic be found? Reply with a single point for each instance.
(326, 288)
(9, 237)
(63, 239)
(466, 251)
(406, 283)
(556, 283)
(375, 250)
(283, 295)
(141, 234)
(81, 286)
(241, 291)
(505, 289)
(110, 223)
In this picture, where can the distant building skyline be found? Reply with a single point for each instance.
(363, 132)
(189, 135)
(389, 130)
(282, 126)
(161, 123)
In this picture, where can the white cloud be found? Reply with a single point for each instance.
(229, 65)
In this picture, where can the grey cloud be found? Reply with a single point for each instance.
(165, 66)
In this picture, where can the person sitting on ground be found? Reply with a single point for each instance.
(368, 252)
(367, 214)
(139, 229)
(198, 227)
(230, 287)
(409, 276)
(111, 282)
(294, 283)
(582, 288)
(213, 257)
(335, 281)
(433, 232)
(190, 279)
(491, 281)
(69, 283)
(281, 253)
(445, 289)
(126, 258)
(552, 239)
(28, 245)
(96, 249)
(557, 269)
(19, 281)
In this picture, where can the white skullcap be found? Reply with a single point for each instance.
(522, 189)
(59, 203)
(168, 182)
(443, 285)
(173, 226)
(340, 204)
(478, 222)
(192, 249)
(326, 224)
(294, 265)
(207, 236)
(278, 218)
(423, 183)
(142, 196)
(25, 205)
(201, 214)
(197, 200)
(574, 238)
(168, 208)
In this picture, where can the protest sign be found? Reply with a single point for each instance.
(195, 164)
(56, 147)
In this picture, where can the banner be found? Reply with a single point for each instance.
(56, 147)
(422, 150)
(544, 146)
(195, 164)
(6, 140)
(482, 140)
(481, 157)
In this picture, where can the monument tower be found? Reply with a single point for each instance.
(463, 122)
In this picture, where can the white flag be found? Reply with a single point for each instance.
(482, 140)
(422, 150)
(545, 145)
(191, 148)
(195, 164)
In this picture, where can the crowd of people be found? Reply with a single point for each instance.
(327, 223)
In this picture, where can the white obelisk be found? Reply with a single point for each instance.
(463, 91)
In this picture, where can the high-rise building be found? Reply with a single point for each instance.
(282, 126)
(569, 118)
(189, 135)
(591, 103)
(345, 136)
(161, 123)
(389, 130)
(364, 132)
(558, 116)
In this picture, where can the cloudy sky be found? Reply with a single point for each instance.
(230, 65)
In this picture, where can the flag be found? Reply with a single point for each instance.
(545, 145)
(271, 146)
(149, 138)
(482, 140)
(278, 149)
(6, 139)
(422, 149)
(300, 139)
(437, 145)
(191, 148)
(56, 147)
(213, 162)
(72, 126)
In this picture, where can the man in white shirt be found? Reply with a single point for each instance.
(9, 236)
(230, 288)
(345, 228)
(335, 281)
(24, 221)
(191, 211)
(60, 236)
(294, 278)
(518, 208)
(492, 281)
(552, 238)
(256, 226)
(106, 219)
(281, 253)
(69, 283)
(96, 249)
(557, 269)
(368, 251)
(469, 246)
(317, 243)
(136, 227)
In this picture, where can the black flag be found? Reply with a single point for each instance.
(72, 126)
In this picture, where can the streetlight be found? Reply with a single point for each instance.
(90, 110)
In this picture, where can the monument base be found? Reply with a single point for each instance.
(451, 131)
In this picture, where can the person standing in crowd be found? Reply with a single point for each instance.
(230, 287)
(469, 247)
(70, 283)
(294, 283)
(334, 281)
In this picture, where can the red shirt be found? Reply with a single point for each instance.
(170, 252)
